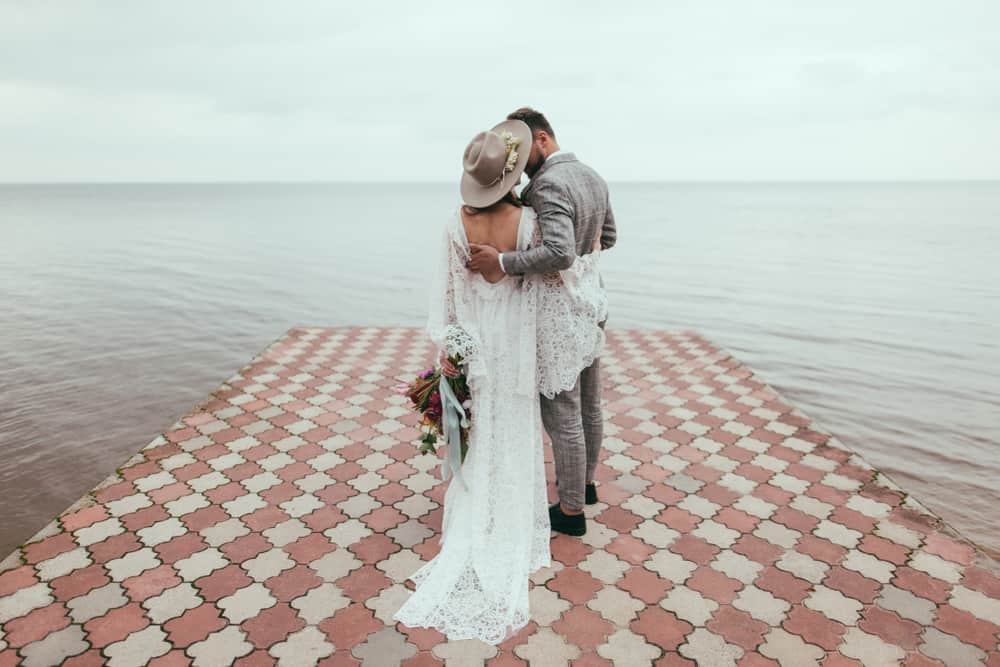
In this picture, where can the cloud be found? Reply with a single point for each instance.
(319, 90)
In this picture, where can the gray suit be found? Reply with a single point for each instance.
(571, 201)
(574, 211)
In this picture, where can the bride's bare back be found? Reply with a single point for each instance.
(497, 227)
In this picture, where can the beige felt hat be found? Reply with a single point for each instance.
(493, 162)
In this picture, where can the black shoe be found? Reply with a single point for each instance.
(590, 493)
(575, 524)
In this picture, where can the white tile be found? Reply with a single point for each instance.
(834, 604)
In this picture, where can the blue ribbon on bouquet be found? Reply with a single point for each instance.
(455, 420)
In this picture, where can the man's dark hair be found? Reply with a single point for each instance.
(536, 120)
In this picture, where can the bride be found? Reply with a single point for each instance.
(495, 530)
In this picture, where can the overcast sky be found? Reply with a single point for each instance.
(324, 90)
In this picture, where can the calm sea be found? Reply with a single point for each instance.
(874, 307)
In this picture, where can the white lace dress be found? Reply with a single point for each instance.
(495, 529)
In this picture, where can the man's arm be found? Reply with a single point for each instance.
(555, 222)
(609, 232)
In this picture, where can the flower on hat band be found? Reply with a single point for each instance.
(511, 143)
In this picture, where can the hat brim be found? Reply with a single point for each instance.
(474, 194)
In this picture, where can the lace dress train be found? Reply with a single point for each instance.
(495, 529)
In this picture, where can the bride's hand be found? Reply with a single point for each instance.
(447, 368)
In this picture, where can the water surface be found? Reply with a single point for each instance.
(873, 307)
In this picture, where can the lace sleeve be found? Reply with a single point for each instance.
(448, 311)
(571, 305)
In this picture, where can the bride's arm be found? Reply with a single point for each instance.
(447, 311)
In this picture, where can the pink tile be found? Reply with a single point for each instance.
(180, 547)
(114, 547)
(757, 549)
(922, 584)
(821, 549)
(738, 627)
(309, 548)
(982, 580)
(79, 582)
(949, 549)
(222, 583)
(115, 625)
(351, 625)
(16, 579)
(374, 548)
(884, 549)
(737, 520)
(661, 628)
(644, 585)
(574, 585)
(272, 625)
(714, 585)
(144, 518)
(630, 549)
(363, 583)
(783, 585)
(194, 625)
(619, 519)
(151, 583)
(48, 548)
(853, 520)
(294, 582)
(678, 519)
(852, 584)
(968, 628)
(35, 625)
(814, 627)
(83, 518)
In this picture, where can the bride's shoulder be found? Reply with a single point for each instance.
(454, 230)
(454, 222)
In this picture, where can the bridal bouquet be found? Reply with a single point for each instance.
(444, 404)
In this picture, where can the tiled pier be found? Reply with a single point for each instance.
(277, 522)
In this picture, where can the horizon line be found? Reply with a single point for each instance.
(727, 181)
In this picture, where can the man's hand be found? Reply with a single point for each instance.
(484, 259)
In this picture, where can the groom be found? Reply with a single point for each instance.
(574, 212)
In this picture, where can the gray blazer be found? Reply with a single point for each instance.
(573, 209)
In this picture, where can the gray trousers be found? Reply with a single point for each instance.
(574, 421)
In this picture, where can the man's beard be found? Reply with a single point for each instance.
(532, 168)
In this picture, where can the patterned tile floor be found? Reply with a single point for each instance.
(277, 522)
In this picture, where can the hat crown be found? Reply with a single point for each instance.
(485, 157)
(493, 162)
